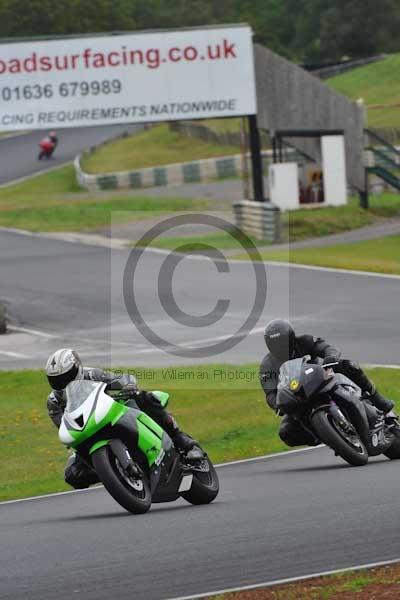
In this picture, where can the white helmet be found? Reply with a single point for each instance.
(63, 367)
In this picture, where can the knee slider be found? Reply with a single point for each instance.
(71, 475)
(74, 475)
(287, 436)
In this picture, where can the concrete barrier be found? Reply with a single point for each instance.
(259, 219)
(198, 171)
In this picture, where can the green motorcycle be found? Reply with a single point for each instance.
(133, 456)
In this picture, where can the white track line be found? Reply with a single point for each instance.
(235, 462)
(382, 563)
(14, 354)
(274, 263)
(54, 495)
(86, 239)
(200, 343)
(380, 366)
(329, 269)
(36, 332)
(267, 456)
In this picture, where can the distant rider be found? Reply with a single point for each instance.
(65, 366)
(283, 344)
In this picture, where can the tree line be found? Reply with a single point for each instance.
(301, 30)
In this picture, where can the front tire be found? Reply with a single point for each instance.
(132, 494)
(353, 453)
(205, 485)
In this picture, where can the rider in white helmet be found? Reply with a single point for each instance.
(65, 366)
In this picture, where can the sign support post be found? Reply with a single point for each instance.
(256, 160)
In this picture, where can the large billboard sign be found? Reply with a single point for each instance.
(142, 77)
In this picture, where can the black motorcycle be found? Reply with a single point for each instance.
(309, 393)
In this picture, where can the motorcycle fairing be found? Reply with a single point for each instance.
(89, 409)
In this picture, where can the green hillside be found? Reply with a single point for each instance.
(377, 83)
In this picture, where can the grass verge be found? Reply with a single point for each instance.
(33, 458)
(304, 224)
(226, 125)
(318, 222)
(372, 584)
(380, 256)
(151, 148)
(54, 202)
(375, 84)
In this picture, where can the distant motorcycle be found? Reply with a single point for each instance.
(305, 390)
(47, 147)
(132, 456)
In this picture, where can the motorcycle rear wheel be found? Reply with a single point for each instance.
(355, 454)
(132, 494)
(205, 485)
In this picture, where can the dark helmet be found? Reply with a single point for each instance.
(63, 367)
(280, 338)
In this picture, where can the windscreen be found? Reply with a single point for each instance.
(289, 371)
(78, 391)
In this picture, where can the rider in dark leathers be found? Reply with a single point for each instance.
(283, 345)
(77, 473)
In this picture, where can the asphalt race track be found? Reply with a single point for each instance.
(61, 291)
(276, 518)
(19, 154)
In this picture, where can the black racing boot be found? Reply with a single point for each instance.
(381, 403)
(386, 406)
(78, 474)
(182, 441)
(392, 421)
(187, 446)
(356, 374)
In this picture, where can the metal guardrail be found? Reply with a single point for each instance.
(386, 158)
(382, 158)
(383, 141)
(386, 175)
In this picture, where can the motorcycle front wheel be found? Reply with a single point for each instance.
(131, 493)
(347, 446)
